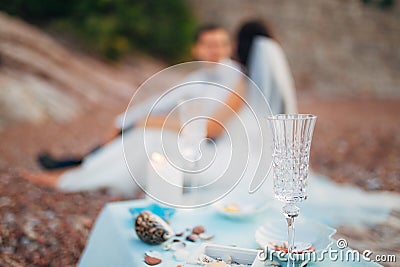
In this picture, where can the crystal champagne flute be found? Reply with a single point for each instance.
(292, 134)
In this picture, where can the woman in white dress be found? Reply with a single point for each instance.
(267, 66)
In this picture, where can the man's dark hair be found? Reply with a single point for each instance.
(205, 28)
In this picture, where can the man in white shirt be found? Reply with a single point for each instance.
(212, 44)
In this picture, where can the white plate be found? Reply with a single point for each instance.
(306, 231)
(239, 209)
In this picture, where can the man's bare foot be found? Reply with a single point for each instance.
(43, 178)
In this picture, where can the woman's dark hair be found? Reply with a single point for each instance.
(246, 35)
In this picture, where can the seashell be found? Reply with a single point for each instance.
(174, 245)
(152, 261)
(205, 236)
(166, 246)
(181, 255)
(272, 263)
(178, 245)
(217, 264)
(227, 259)
(192, 238)
(300, 247)
(151, 229)
(179, 234)
(203, 258)
(153, 254)
(198, 230)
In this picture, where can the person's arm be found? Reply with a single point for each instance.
(159, 122)
(136, 116)
(233, 102)
(112, 133)
(128, 118)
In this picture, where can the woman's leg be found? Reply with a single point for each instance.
(119, 166)
(43, 178)
(48, 162)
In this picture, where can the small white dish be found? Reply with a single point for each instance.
(307, 232)
(239, 209)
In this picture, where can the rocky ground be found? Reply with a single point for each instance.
(356, 142)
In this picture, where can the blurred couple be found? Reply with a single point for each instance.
(258, 55)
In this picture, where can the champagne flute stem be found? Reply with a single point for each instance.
(291, 212)
(291, 233)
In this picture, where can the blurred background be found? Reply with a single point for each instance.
(67, 68)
